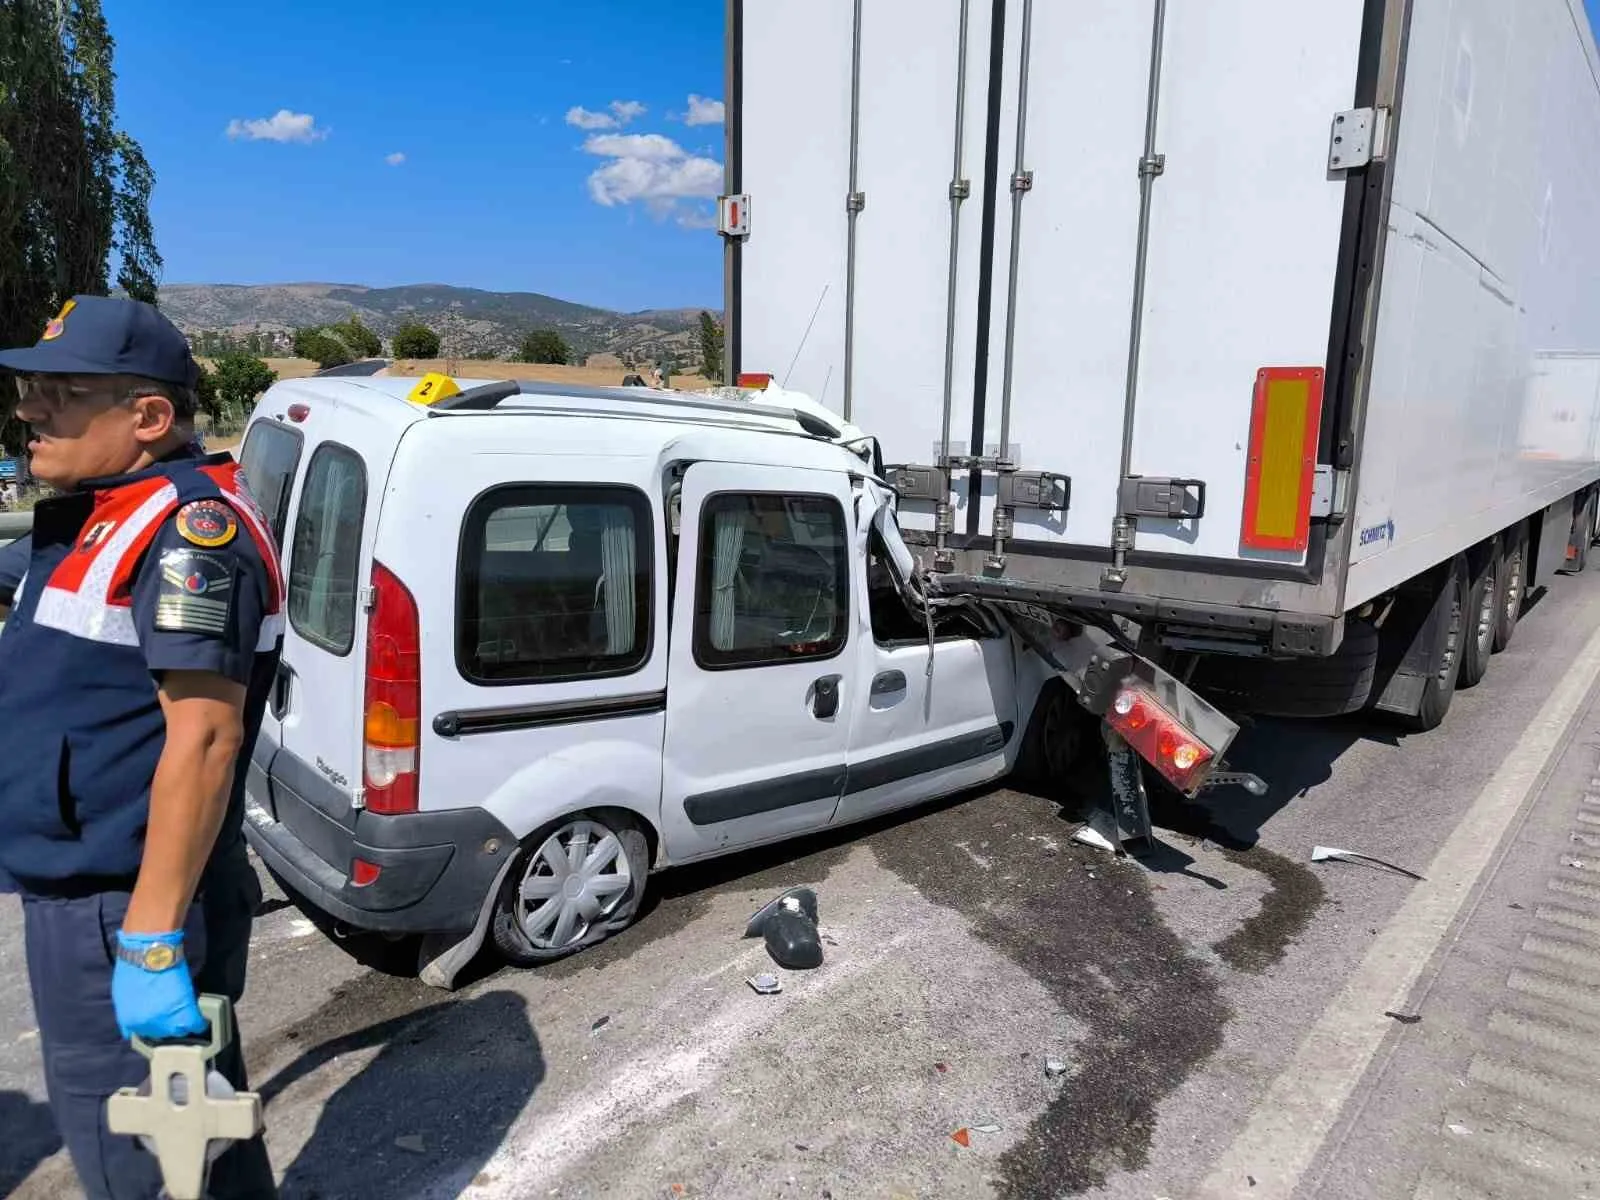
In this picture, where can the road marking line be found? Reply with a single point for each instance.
(1304, 1102)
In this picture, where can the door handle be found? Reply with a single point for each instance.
(825, 697)
(280, 690)
(886, 682)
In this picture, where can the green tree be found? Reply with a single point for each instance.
(320, 348)
(240, 379)
(206, 392)
(361, 340)
(74, 190)
(544, 346)
(710, 346)
(415, 340)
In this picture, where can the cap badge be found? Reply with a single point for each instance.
(58, 324)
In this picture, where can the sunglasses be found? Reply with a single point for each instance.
(58, 392)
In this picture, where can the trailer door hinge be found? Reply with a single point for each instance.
(1330, 490)
(733, 215)
(367, 597)
(1359, 136)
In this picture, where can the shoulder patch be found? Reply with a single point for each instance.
(196, 593)
(208, 523)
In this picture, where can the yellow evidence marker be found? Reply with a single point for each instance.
(433, 387)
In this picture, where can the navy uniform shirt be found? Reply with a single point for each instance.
(112, 600)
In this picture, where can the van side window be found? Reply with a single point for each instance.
(325, 560)
(270, 457)
(555, 583)
(774, 580)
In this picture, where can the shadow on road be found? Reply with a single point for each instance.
(27, 1138)
(428, 1111)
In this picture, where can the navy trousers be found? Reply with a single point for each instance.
(70, 946)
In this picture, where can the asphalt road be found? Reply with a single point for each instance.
(1220, 1010)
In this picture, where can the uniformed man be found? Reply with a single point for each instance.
(143, 634)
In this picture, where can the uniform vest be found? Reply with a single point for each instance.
(81, 727)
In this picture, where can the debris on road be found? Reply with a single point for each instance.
(989, 1127)
(961, 1137)
(765, 985)
(1405, 1018)
(1324, 853)
(1054, 1068)
(941, 1067)
(789, 925)
(1090, 836)
(600, 1023)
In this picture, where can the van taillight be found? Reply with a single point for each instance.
(393, 708)
(1159, 738)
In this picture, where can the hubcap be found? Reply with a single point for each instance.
(1452, 641)
(1486, 611)
(1514, 587)
(578, 876)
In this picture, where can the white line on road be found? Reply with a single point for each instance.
(1290, 1124)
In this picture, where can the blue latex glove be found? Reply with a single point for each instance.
(154, 1004)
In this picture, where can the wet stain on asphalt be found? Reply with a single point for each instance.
(1285, 911)
(1085, 926)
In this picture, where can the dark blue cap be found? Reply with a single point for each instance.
(98, 335)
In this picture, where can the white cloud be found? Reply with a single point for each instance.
(622, 111)
(654, 170)
(282, 126)
(582, 118)
(703, 111)
(395, 159)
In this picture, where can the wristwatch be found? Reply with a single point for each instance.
(158, 956)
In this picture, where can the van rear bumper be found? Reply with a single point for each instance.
(435, 869)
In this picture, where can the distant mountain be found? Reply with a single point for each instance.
(485, 324)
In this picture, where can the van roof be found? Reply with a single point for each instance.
(773, 411)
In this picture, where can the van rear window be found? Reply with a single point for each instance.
(554, 584)
(325, 563)
(269, 459)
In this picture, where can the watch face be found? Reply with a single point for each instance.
(159, 957)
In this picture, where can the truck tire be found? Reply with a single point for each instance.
(1482, 611)
(1444, 659)
(1513, 584)
(1302, 687)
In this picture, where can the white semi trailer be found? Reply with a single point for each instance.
(1267, 331)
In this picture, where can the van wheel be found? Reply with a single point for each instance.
(1054, 738)
(577, 881)
(1482, 610)
(1513, 581)
(1444, 663)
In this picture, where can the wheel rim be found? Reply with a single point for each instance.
(1514, 586)
(577, 877)
(1452, 640)
(1486, 610)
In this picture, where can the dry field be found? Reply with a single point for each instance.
(596, 376)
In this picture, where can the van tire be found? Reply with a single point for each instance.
(507, 930)
(1054, 738)
(1331, 686)
(1512, 581)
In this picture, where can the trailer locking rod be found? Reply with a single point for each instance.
(853, 204)
(1021, 184)
(959, 190)
(1151, 165)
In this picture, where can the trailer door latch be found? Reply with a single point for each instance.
(1163, 499)
(1035, 489)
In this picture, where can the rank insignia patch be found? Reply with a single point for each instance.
(208, 523)
(196, 594)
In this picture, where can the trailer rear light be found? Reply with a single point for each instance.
(755, 379)
(1285, 420)
(1159, 737)
(393, 707)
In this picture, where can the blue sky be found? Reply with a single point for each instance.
(272, 129)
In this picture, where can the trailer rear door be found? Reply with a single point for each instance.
(1242, 257)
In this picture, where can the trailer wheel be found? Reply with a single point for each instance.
(1513, 584)
(1482, 610)
(1303, 687)
(1444, 661)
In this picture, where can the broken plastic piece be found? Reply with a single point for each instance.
(792, 939)
(600, 1023)
(1054, 1068)
(1405, 1018)
(803, 897)
(988, 1128)
(1090, 836)
(1323, 853)
(961, 1137)
(765, 985)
